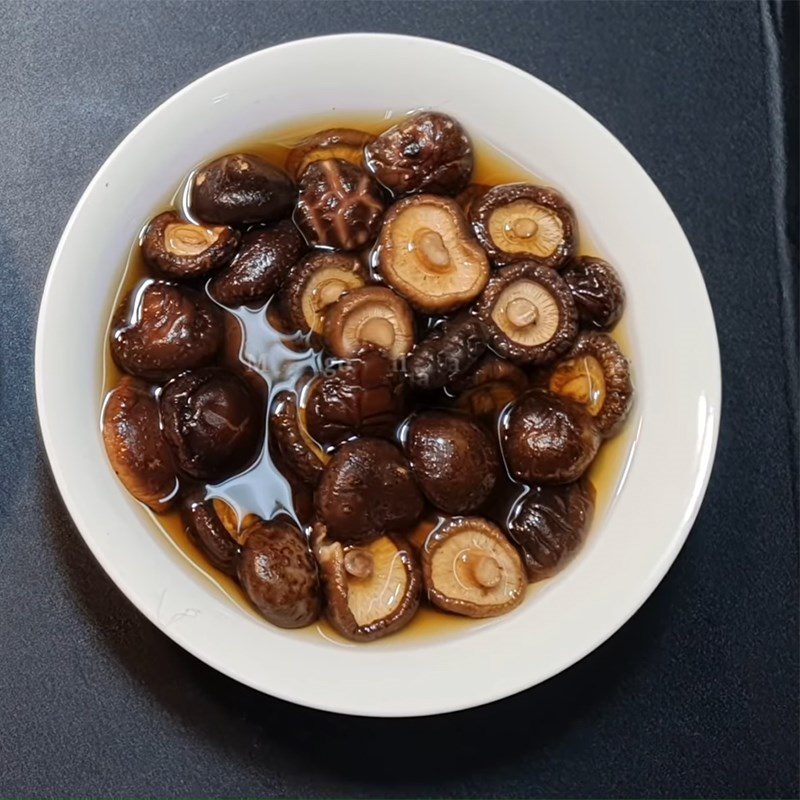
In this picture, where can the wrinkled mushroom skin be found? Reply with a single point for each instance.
(162, 329)
(338, 206)
(344, 144)
(184, 250)
(206, 531)
(134, 445)
(549, 525)
(453, 459)
(490, 387)
(315, 284)
(279, 575)
(426, 152)
(447, 354)
(211, 421)
(367, 489)
(294, 444)
(241, 189)
(547, 439)
(597, 290)
(261, 265)
(530, 314)
(364, 397)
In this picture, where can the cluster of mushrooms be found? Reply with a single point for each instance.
(469, 361)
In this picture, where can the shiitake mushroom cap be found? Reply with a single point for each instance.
(597, 290)
(207, 532)
(490, 387)
(294, 444)
(345, 144)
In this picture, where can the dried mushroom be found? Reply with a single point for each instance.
(486, 391)
(530, 314)
(344, 144)
(162, 329)
(185, 250)
(547, 439)
(597, 290)
(294, 444)
(279, 575)
(315, 284)
(470, 568)
(260, 266)
(207, 532)
(597, 375)
(134, 445)
(338, 206)
(549, 524)
(372, 316)
(427, 253)
(523, 222)
(367, 489)
(372, 589)
(240, 189)
(425, 152)
(453, 459)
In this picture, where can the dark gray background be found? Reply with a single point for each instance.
(696, 696)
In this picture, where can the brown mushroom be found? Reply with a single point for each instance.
(486, 391)
(134, 445)
(345, 144)
(367, 489)
(240, 189)
(316, 283)
(278, 573)
(162, 329)
(547, 439)
(338, 206)
(427, 253)
(294, 444)
(470, 196)
(207, 532)
(549, 524)
(529, 312)
(597, 290)
(261, 265)
(425, 152)
(235, 524)
(470, 568)
(372, 316)
(371, 590)
(597, 375)
(185, 250)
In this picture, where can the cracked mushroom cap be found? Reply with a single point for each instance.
(597, 375)
(345, 144)
(371, 590)
(296, 448)
(597, 290)
(523, 222)
(470, 568)
(427, 254)
(372, 316)
(530, 313)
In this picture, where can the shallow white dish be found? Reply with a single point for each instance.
(672, 432)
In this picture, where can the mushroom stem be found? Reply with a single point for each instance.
(185, 239)
(523, 228)
(485, 571)
(521, 312)
(377, 330)
(328, 292)
(358, 563)
(431, 248)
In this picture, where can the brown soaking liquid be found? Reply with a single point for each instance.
(284, 360)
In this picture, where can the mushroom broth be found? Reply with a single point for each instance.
(271, 359)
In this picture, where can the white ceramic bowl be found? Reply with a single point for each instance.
(674, 348)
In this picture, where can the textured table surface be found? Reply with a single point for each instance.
(697, 695)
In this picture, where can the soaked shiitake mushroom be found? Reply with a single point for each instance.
(470, 568)
(523, 222)
(427, 254)
(162, 329)
(261, 265)
(235, 525)
(470, 195)
(425, 152)
(134, 445)
(279, 575)
(207, 532)
(240, 189)
(291, 438)
(211, 421)
(338, 205)
(453, 459)
(529, 312)
(316, 283)
(185, 250)
(365, 397)
(549, 524)
(345, 144)
(597, 290)
(372, 316)
(371, 589)
(487, 390)
(447, 353)
(547, 439)
(597, 375)
(367, 489)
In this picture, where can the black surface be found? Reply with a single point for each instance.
(696, 696)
